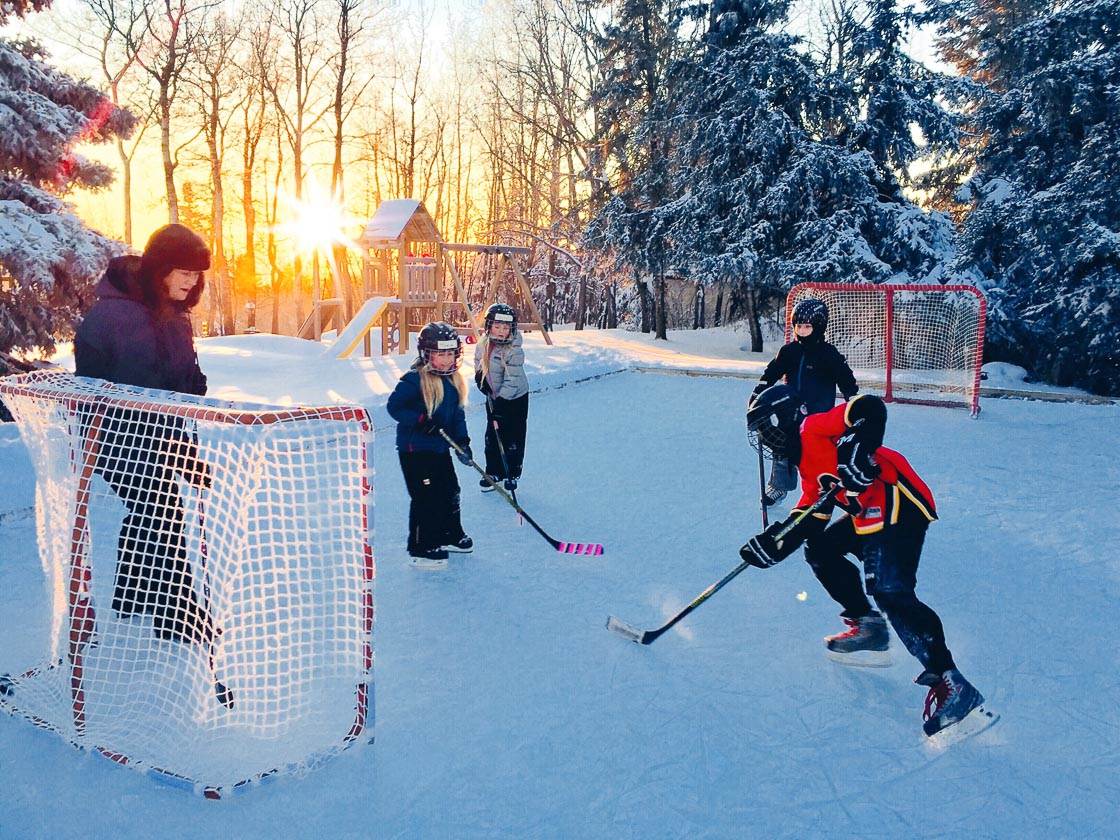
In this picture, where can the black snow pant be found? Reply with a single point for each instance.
(890, 565)
(433, 511)
(512, 418)
(153, 573)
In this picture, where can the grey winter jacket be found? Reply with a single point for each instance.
(507, 369)
(121, 340)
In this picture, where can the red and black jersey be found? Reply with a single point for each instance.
(880, 504)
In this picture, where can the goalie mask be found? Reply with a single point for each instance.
(501, 313)
(774, 421)
(439, 336)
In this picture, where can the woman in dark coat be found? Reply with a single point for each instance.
(139, 333)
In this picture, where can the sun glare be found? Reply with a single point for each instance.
(317, 222)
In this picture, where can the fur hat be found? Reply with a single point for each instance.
(171, 247)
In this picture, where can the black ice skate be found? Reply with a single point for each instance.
(464, 545)
(487, 484)
(430, 560)
(866, 642)
(773, 495)
(954, 709)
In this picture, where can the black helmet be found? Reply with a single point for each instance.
(503, 313)
(440, 335)
(774, 420)
(869, 413)
(814, 312)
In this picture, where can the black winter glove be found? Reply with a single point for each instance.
(498, 410)
(464, 454)
(482, 382)
(759, 388)
(427, 425)
(856, 461)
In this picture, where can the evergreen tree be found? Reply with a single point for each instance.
(1043, 231)
(784, 175)
(48, 258)
(632, 103)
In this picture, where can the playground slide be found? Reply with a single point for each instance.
(350, 337)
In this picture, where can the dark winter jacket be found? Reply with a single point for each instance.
(814, 369)
(406, 406)
(123, 340)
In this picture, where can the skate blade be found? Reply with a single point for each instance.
(861, 658)
(454, 550)
(972, 724)
(428, 565)
(624, 629)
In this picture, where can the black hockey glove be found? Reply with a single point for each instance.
(856, 461)
(482, 382)
(464, 454)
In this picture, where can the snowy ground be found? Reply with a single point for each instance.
(504, 708)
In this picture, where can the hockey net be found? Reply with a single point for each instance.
(915, 343)
(208, 610)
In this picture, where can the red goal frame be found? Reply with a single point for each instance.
(972, 341)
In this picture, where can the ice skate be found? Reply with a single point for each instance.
(954, 709)
(464, 545)
(431, 560)
(865, 643)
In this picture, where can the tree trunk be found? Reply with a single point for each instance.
(659, 308)
(753, 321)
(165, 151)
(644, 304)
(717, 313)
(698, 308)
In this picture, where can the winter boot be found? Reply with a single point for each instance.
(951, 700)
(431, 560)
(773, 495)
(866, 642)
(463, 545)
(510, 484)
(487, 484)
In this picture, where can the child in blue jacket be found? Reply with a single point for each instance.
(429, 399)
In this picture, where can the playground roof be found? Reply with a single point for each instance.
(398, 221)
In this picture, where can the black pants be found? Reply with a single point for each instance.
(434, 511)
(153, 573)
(511, 427)
(890, 565)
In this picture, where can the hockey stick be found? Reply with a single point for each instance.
(501, 446)
(762, 489)
(646, 637)
(562, 547)
(221, 690)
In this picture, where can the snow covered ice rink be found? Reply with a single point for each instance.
(505, 708)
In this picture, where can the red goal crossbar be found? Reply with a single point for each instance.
(920, 343)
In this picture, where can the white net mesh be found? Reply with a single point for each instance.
(209, 578)
(915, 343)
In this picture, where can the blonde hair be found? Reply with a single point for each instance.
(484, 349)
(431, 386)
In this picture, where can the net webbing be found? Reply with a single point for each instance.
(209, 577)
(919, 343)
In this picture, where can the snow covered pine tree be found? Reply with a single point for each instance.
(48, 257)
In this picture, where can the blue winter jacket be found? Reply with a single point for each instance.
(406, 406)
(123, 341)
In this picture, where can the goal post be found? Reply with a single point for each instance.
(916, 343)
(208, 610)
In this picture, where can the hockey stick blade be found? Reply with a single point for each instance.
(586, 549)
(626, 630)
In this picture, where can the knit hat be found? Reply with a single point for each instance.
(171, 247)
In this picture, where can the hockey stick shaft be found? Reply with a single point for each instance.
(563, 547)
(646, 637)
(762, 489)
(501, 446)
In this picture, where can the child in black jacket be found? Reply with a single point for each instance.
(814, 369)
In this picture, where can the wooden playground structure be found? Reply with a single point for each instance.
(406, 265)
